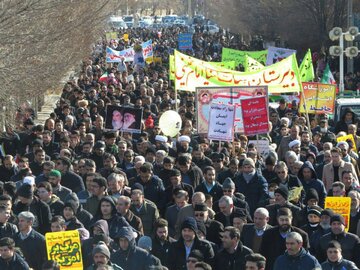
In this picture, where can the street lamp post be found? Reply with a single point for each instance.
(337, 34)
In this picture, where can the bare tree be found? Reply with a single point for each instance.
(40, 41)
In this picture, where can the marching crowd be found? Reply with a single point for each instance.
(147, 201)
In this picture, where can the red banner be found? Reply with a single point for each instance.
(255, 115)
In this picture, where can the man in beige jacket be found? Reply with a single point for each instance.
(333, 171)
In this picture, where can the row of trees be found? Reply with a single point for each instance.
(40, 41)
(302, 23)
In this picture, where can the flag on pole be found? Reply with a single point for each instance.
(328, 76)
(251, 64)
(307, 68)
(103, 77)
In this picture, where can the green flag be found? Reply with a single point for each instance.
(306, 68)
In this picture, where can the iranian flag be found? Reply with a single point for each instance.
(103, 77)
(327, 77)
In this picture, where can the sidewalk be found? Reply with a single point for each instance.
(47, 108)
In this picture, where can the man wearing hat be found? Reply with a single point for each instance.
(176, 183)
(313, 221)
(58, 189)
(309, 180)
(27, 201)
(129, 256)
(322, 229)
(284, 143)
(184, 144)
(101, 256)
(195, 256)
(252, 185)
(349, 242)
(180, 250)
(213, 227)
(273, 243)
(311, 199)
(295, 146)
(281, 200)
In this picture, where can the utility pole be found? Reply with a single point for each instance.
(189, 6)
(350, 22)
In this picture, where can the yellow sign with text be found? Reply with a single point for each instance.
(340, 205)
(347, 137)
(65, 249)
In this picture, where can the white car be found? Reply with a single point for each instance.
(212, 29)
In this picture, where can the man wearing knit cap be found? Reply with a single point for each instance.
(29, 202)
(313, 221)
(281, 200)
(252, 185)
(322, 229)
(311, 199)
(58, 189)
(195, 256)
(228, 189)
(176, 183)
(180, 250)
(349, 242)
(101, 256)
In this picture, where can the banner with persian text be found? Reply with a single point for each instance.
(239, 56)
(221, 122)
(282, 77)
(319, 98)
(255, 115)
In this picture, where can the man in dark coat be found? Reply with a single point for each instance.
(129, 256)
(252, 185)
(188, 241)
(9, 258)
(233, 254)
(31, 243)
(273, 241)
(349, 242)
(252, 234)
(210, 185)
(69, 179)
(161, 241)
(29, 202)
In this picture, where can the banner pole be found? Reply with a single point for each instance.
(306, 111)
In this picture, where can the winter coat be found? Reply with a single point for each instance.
(153, 190)
(177, 253)
(273, 244)
(33, 247)
(132, 258)
(235, 261)
(340, 265)
(72, 181)
(148, 214)
(16, 263)
(303, 260)
(255, 192)
(8, 230)
(314, 183)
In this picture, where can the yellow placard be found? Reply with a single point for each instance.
(65, 249)
(295, 193)
(340, 205)
(347, 137)
(126, 37)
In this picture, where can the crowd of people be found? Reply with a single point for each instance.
(147, 201)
